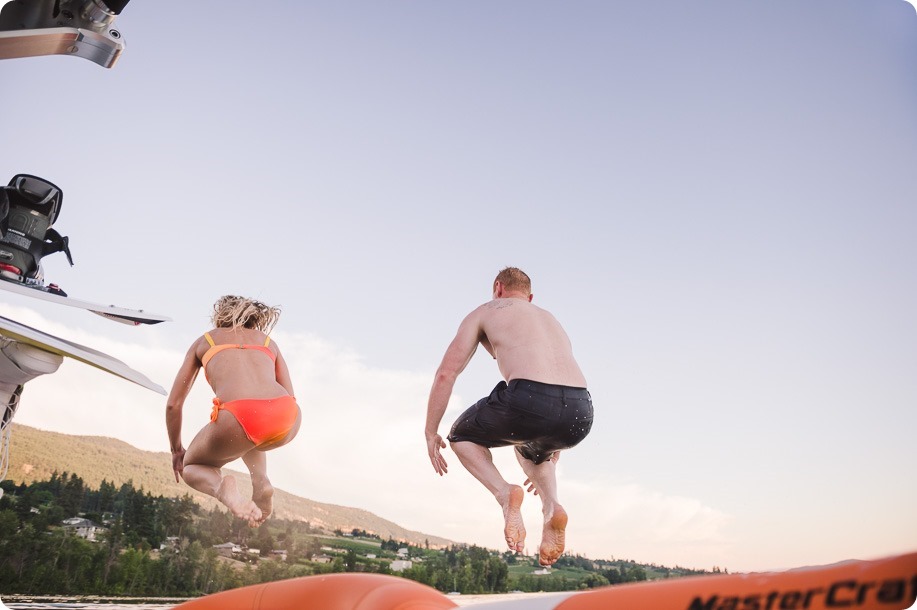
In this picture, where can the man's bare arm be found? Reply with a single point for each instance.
(457, 356)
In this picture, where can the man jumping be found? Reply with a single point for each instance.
(541, 408)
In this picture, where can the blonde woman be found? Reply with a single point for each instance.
(254, 409)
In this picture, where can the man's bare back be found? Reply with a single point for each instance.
(528, 342)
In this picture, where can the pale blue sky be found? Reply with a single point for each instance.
(716, 198)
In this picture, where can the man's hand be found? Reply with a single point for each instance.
(434, 443)
(178, 462)
(531, 484)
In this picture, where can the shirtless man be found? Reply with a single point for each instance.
(541, 408)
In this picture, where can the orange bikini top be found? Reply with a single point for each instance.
(215, 349)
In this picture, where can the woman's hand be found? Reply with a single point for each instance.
(178, 462)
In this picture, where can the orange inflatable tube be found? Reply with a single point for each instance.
(882, 584)
(349, 591)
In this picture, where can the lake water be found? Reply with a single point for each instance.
(63, 603)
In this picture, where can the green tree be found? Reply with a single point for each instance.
(106, 497)
(594, 580)
(350, 560)
(71, 495)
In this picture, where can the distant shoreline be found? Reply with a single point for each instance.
(19, 598)
(471, 600)
(114, 603)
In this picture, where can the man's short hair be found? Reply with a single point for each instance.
(514, 278)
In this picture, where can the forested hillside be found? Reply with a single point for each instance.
(36, 454)
(130, 542)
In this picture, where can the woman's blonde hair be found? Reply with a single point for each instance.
(231, 311)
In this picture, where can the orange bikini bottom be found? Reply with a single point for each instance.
(263, 420)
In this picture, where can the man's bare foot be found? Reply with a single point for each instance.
(263, 497)
(228, 494)
(552, 537)
(515, 528)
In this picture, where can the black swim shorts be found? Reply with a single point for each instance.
(537, 418)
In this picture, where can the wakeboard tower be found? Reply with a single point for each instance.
(29, 206)
(75, 28)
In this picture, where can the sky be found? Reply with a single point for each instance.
(716, 199)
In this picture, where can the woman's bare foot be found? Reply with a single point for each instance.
(263, 497)
(228, 494)
(552, 537)
(515, 528)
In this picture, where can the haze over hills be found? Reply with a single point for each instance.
(35, 454)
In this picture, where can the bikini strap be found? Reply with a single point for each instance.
(210, 353)
(267, 341)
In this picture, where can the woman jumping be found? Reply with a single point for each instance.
(254, 409)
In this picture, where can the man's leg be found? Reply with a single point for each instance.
(479, 462)
(215, 445)
(543, 477)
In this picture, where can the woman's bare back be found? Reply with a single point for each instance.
(241, 373)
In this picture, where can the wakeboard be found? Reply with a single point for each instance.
(124, 315)
(26, 334)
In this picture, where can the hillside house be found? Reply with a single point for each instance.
(399, 565)
(84, 528)
(322, 558)
(172, 543)
(228, 549)
(280, 555)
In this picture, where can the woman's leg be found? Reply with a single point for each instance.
(262, 490)
(217, 444)
(256, 461)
